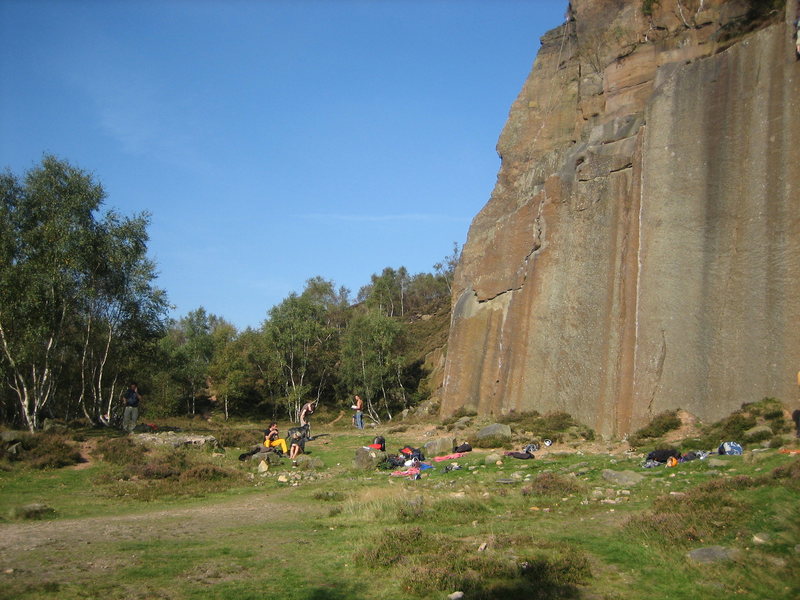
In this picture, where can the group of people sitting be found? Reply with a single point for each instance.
(297, 439)
(293, 445)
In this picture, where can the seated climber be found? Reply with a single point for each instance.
(273, 439)
(298, 441)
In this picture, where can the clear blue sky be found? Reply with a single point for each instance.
(272, 141)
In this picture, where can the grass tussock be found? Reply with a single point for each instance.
(430, 563)
(551, 484)
(707, 513)
(788, 474)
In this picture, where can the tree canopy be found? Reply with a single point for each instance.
(77, 291)
(80, 316)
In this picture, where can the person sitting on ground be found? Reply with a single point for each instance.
(273, 439)
(298, 446)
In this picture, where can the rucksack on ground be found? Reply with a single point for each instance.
(731, 448)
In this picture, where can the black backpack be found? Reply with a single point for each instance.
(379, 441)
(410, 452)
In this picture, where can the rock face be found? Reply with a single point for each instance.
(641, 249)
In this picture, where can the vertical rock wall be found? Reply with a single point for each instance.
(641, 249)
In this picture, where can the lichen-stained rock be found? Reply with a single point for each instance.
(641, 249)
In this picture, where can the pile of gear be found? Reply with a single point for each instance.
(672, 457)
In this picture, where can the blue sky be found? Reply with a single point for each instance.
(272, 141)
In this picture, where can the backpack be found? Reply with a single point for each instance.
(410, 452)
(395, 461)
(465, 447)
(379, 443)
(732, 448)
(663, 455)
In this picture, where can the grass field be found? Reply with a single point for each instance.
(193, 523)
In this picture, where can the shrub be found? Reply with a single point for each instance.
(207, 472)
(660, 425)
(120, 451)
(392, 546)
(43, 451)
(429, 564)
(238, 438)
(707, 512)
(551, 425)
(329, 495)
(490, 442)
(648, 6)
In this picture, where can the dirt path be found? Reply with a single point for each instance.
(199, 522)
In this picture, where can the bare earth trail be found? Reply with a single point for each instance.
(72, 550)
(200, 521)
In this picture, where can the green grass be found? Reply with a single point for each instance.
(544, 528)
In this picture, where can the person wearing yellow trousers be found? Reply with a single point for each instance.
(273, 439)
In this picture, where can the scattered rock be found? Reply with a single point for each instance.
(31, 511)
(495, 430)
(462, 423)
(456, 596)
(624, 478)
(175, 439)
(761, 538)
(492, 458)
(368, 458)
(757, 433)
(11, 436)
(263, 467)
(438, 447)
(712, 554)
(309, 463)
(717, 462)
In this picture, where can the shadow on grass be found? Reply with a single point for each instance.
(342, 591)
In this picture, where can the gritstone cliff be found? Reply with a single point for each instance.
(641, 249)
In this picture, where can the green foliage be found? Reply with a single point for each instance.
(767, 411)
(76, 291)
(371, 361)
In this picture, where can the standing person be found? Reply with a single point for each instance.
(305, 412)
(358, 418)
(130, 399)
